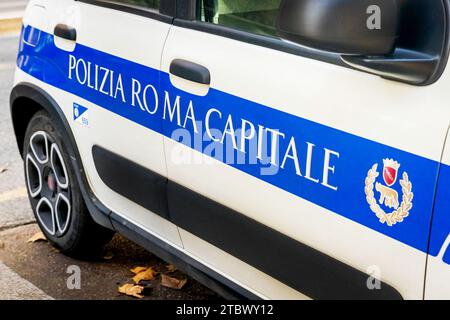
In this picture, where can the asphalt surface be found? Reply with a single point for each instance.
(14, 207)
(38, 271)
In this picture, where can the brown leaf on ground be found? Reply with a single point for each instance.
(55, 250)
(146, 275)
(137, 270)
(131, 290)
(2, 245)
(171, 268)
(173, 283)
(38, 236)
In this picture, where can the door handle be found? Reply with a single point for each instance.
(190, 71)
(65, 32)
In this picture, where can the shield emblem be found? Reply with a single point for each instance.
(389, 175)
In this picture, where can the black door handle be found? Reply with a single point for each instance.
(190, 71)
(65, 32)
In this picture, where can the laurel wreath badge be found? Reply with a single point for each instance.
(399, 214)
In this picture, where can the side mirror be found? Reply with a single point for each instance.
(350, 27)
(401, 40)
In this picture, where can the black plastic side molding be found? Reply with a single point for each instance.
(299, 266)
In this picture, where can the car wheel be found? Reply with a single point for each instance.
(54, 192)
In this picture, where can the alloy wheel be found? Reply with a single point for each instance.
(48, 183)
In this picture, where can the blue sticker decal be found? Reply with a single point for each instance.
(357, 178)
(78, 111)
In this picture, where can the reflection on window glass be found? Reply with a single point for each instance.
(152, 4)
(256, 16)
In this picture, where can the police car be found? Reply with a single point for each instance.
(275, 149)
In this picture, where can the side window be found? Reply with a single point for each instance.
(255, 16)
(151, 4)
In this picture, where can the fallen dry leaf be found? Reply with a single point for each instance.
(132, 290)
(145, 275)
(38, 236)
(2, 245)
(171, 268)
(173, 283)
(137, 270)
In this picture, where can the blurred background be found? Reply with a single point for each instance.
(11, 12)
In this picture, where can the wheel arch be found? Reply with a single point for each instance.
(25, 100)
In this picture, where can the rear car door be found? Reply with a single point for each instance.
(290, 171)
(106, 57)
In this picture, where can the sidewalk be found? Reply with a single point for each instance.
(14, 287)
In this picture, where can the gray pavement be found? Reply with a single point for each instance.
(14, 207)
(21, 288)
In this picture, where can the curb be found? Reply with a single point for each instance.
(10, 25)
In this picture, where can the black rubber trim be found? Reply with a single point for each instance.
(190, 71)
(134, 182)
(65, 32)
(140, 11)
(262, 41)
(213, 280)
(98, 211)
(297, 265)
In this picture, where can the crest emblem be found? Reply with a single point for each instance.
(390, 171)
(388, 196)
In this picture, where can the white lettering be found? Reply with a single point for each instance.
(172, 111)
(291, 153)
(327, 168)
(207, 127)
(155, 96)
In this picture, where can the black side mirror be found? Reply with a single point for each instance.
(362, 27)
(403, 40)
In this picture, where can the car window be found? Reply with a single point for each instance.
(151, 4)
(255, 16)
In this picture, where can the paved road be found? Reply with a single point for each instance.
(36, 270)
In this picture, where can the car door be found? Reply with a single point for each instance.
(291, 172)
(438, 270)
(113, 74)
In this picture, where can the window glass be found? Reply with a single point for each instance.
(152, 4)
(256, 16)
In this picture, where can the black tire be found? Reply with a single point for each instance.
(62, 215)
